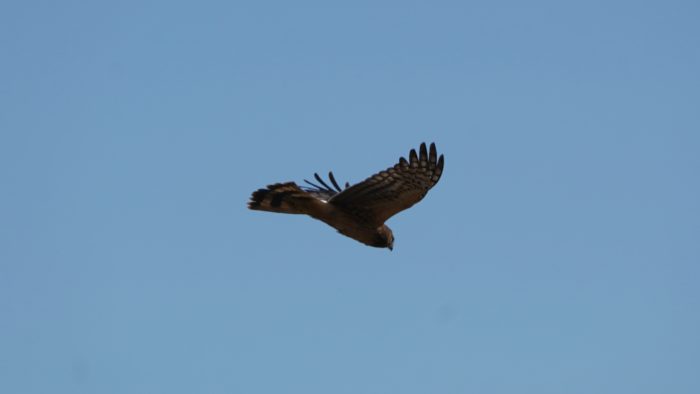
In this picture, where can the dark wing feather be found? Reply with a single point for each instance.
(388, 192)
(323, 191)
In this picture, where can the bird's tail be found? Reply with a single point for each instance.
(283, 198)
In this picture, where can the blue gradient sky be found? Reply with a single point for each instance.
(558, 254)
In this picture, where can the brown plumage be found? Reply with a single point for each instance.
(358, 211)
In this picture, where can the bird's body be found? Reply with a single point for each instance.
(358, 211)
(290, 198)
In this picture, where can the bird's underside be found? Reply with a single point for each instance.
(358, 211)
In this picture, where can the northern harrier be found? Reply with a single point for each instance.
(358, 211)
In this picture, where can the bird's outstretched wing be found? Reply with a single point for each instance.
(388, 192)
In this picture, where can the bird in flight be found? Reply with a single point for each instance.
(358, 211)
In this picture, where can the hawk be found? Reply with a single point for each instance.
(358, 211)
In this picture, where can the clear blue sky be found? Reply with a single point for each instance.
(558, 254)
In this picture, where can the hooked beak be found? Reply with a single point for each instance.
(391, 247)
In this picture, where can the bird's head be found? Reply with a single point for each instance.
(385, 238)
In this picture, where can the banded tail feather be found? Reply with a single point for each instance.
(282, 198)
